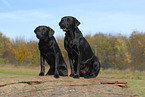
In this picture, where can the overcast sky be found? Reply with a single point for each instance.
(19, 18)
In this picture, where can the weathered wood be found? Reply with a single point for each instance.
(48, 86)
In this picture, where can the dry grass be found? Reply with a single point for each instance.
(136, 79)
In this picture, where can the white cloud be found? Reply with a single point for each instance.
(6, 3)
(24, 15)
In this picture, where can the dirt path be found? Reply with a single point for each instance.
(48, 86)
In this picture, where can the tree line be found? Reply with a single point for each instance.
(110, 49)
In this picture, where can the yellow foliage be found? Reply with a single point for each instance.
(121, 52)
(20, 52)
(128, 58)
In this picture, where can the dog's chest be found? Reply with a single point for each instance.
(46, 49)
(72, 47)
(72, 43)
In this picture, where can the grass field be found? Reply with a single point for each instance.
(136, 79)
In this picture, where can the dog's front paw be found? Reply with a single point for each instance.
(56, 76)
(71, 75)
(76, 76)
(89, 76)
(41, 74)
(48, 73)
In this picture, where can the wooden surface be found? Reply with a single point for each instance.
(48, 86)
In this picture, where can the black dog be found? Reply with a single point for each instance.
(50, 52)
(83, 62)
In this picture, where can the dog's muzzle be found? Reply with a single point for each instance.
(64, 29)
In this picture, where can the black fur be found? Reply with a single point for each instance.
(83, 62)
(50, 52)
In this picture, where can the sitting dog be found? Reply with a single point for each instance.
(50, 52)
(83, 62)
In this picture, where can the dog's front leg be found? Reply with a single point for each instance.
(56, 73)
(78, 68)
(42, 64)
(72, 67)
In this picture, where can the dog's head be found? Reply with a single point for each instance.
(43, 32)
(68, 23)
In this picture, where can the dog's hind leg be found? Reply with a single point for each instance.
(95, 68)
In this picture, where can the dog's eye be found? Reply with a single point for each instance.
(68, 19)
(62, 20)
(43, 29)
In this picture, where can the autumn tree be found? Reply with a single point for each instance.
(33, 53)
(102, 48)
(137, 42)
(20, 49)
(116, 50)
(20, 52)
(5, 48)
(122, 56)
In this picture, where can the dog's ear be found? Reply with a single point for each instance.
(51, 32)
(76, 22)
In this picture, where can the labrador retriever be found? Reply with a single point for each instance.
(49, 51)
(83, 62)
